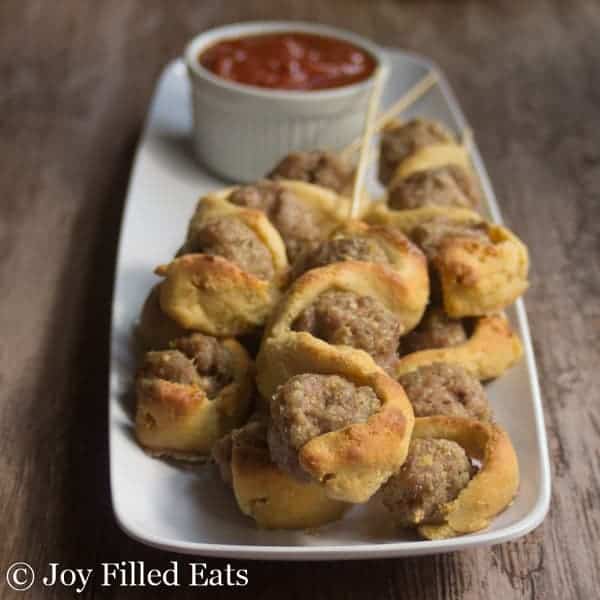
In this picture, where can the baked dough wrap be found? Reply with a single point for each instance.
(215, 205)
(274, 499)
(477, 278)
(400, 251)
(491, 349)
(284, 352)
(330, 208)
(432, 157)
(180, 421)
(353, 462)
(214, 295)
(407, 220)
(494, 486)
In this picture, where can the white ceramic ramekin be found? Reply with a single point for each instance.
(241, 132)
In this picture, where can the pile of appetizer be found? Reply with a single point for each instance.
(323, 361)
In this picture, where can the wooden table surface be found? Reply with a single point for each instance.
(76, 80)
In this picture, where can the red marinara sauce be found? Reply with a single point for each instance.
(288, 61)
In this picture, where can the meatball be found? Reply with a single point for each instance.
(399, 140)
(341, 317)
(436, 330)
(171, 365)
(310, 405)
(339, 250)
(322, 168)
(297, 223)
(445, 389)
(444, 186)
(251, 435)
(434, 474)
(430, 235)
(193, 360)
(210, 358)
(232, 239)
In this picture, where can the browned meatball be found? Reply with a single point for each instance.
(232, 239)
(322, 168)
(434, 473)
(210, 358)
(445, 389)
(251, 435)
(399, 140)
(340, 317)
(445, 186)
(171, 365)
(310, 405)
(436, 330)
(430, 235)
(195, 359)
(339, 250)
(296, 222)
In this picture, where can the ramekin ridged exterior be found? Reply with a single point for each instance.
(240, 132)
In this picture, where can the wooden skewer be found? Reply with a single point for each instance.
(363, 160)
(415, 92)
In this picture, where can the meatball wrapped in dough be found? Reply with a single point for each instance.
(352, 310)
(326, 169)
(191, 395)
(266, 493)
(343, 427)
(481, 267)
(400, 140)
(422, 165)
(303, 213)
(229, 272)
(485, 347)
(438, 491)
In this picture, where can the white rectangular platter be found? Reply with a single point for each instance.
(188, 509)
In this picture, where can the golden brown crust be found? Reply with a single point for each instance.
(333, 208)
(431, 157)
(353, 462)
(215, 205)
(330, 208)
(274, 499)
(479, 278)
(407, 220)
(285, 352)
(212, 295)
(491, 490)
(155, 329)
(492, 349)
(179, 420)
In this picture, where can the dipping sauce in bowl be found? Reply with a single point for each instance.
(261, 90)
(288, 61)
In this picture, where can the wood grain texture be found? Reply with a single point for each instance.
(76, 80)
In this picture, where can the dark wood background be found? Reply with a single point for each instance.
(75, 80)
